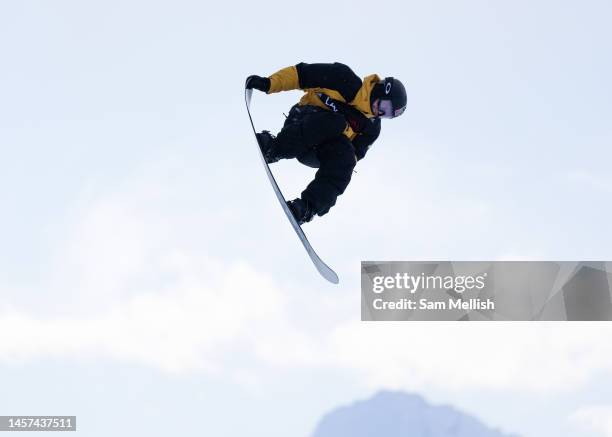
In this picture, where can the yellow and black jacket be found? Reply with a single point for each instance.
(338, 82)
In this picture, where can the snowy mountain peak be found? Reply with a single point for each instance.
(399, 414)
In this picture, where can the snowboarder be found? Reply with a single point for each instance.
(331, 128)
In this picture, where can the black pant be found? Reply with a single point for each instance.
(315, 137)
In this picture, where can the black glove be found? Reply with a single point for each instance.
(302, 210)
(258, 82)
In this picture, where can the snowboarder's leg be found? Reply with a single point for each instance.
(337, 160)
(309, 158)
(306, 127)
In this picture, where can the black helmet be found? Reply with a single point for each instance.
(391, 90)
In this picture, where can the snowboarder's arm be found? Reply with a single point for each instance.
(284, 80)
(334, 76)
(363, 141)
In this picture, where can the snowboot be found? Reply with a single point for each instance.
(267, 146)
(302, 210)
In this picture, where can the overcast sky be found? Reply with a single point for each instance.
(147, 271)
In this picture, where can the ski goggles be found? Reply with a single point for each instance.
(386, 110)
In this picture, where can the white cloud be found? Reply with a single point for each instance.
(137, 279)
(183, 328)
(143, 278)
(597, 418)
(457, 356)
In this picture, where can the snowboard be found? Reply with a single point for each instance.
(323, 268)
